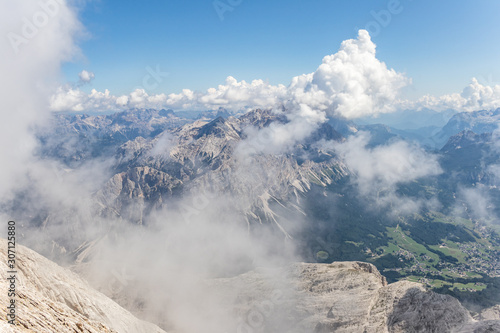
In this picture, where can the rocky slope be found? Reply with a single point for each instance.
(317, 298)
(75, 138)
(53, 299)
(344, 297)
(207, 157)
(484, 121)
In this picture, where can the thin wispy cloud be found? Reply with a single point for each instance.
(378, 172)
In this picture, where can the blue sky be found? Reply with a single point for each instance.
(441, 45)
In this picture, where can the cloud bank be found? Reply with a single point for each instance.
(350, 83)
(235, 95)
(474, 97)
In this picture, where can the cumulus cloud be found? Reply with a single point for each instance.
(474, 97)
(234, 94)
(86, 76)
(350, 83)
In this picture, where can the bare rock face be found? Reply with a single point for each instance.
(50, 299)
(135, 192)
(408, 307)
(492, 313)
(344, 297)
(487, 326)
(204, 157)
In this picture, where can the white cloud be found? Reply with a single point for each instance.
(31, 57)
(495, 172)
(241, 95)
(85, 76)
(122, 101)
(478, 202)
(234, 95)
(387, 165)
(474, 97)
(350, 83)
(378, 171)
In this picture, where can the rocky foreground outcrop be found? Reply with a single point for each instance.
(317, 298)
(344, 297)
(51, 299)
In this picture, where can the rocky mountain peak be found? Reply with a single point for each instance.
(219, 127)
(466, 139)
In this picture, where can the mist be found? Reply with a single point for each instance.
(174, 262)
(161, 270)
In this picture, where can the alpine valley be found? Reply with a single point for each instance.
(410, 239)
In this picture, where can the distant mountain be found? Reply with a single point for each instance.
(209, 115)
(410, 120)
(201, 157)
(479, 122)
(429, 128)
(74, 138)
(467, 156)
(381, 134)
(157, 158)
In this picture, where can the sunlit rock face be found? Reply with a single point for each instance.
(50, 299)
(342, 297)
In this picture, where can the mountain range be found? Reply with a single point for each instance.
(145, 164)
